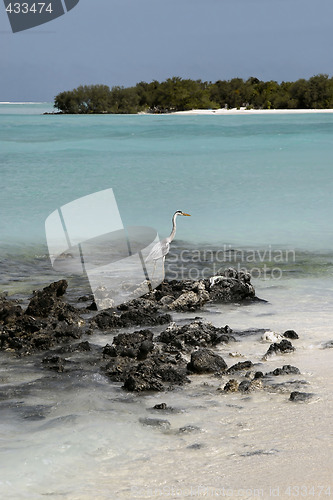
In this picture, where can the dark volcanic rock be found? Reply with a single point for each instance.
(9, 311)
(231, 386)
(194, 334)
(206, 361)
(138, 362)
(290, 334)
(155, 374)
(138, 312)
(45, 301)
(47, 321)
(285, 370)
(245, 386)
(300, 396)
(188, 295)
(184, 295)
(161, 406)
(139, 382)
(282, 348)
(233, 286)
(241, 366)
(83, 346)
(132, 345)
(177, 295)
(165, 409)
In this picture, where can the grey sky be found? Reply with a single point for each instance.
(122, 42)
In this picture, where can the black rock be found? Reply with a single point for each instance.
(241, 366)
(137, 312)
(300, 396)
(181, 295)
(165, 409)
(231, 386)
(47, 321)
(83, 346)
(133, 345)
(142, 382)
(206, 361)
(86, 298)
(285, 370)
(9, 311)
(161, 406)
(154, 373)
(184, 295)
(232, 286)
(109, 350)
(290, 334)
(245, 386)
(282, 348)
(194, 334)
(45, 301)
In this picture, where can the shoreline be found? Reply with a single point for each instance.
(191, 112)
(244, 111)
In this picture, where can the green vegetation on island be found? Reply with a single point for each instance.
(177, 94)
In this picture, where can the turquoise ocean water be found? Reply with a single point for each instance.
(246, 180)
(258, 182)
(253, 182)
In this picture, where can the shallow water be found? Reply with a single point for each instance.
(261, 183)
(85, 430)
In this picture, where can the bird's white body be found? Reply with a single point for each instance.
(161, 248)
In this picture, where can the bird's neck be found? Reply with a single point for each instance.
(173, 232)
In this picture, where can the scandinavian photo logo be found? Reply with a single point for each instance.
(26, 14)
(87, 236)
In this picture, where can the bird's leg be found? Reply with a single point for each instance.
(153, 270)
(150, 280)
(163, 275)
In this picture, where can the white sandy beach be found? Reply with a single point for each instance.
(244, 111)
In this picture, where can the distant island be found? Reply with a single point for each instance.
(178, 94)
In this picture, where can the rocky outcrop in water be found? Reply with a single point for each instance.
(206, 361)
(297, 396)
(180, 296)
(184, 295)
(195, 334)
(142, 360)
(47, 321)
(285, 370)
(137, 361)
(285, 346)
(139, 312)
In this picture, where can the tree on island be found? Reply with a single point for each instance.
(177, 94)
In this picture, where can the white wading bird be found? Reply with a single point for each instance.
(161, 249)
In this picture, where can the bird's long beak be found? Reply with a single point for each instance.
(187, 215)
